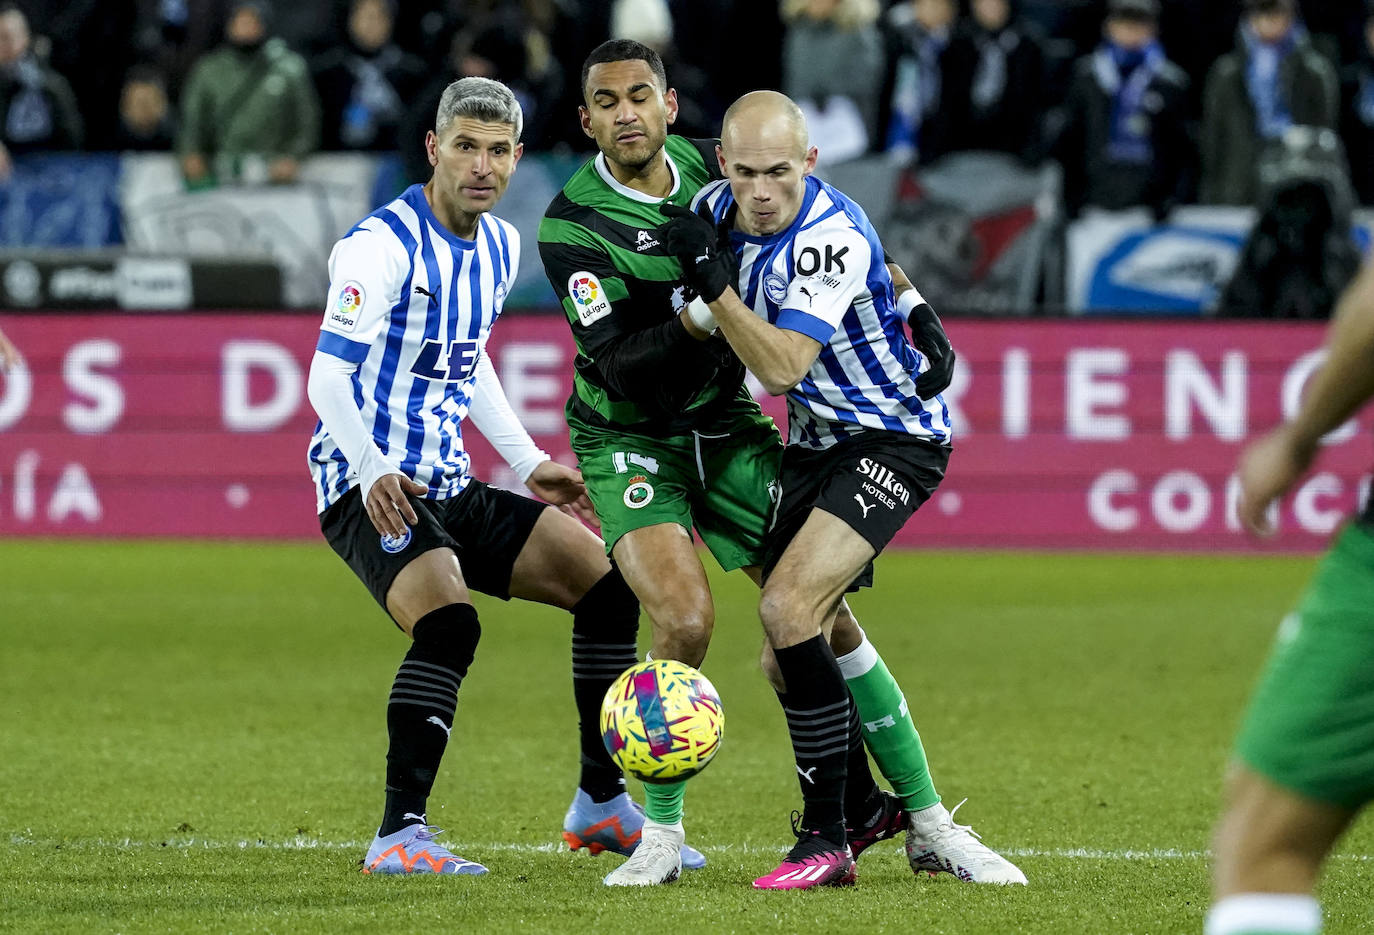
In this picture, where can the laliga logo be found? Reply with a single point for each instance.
(639, 493)
(350, 298)
(584, 291)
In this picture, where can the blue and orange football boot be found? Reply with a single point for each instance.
(613, 826)
(413, 850)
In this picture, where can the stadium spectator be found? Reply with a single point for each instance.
(9, 354)
(1300, 255)
(1357, 115)
(37, 108)
(832, 62)
(496, 47)
(993, 84)
(1273, 80)
(917, 33)
(1125, 141)
(650, 23)
(250, 96)
(145, 119)
(366, 83)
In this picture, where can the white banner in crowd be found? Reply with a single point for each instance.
(1124, 261)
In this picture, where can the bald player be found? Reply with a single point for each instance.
(793, 275)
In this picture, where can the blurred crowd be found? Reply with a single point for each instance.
(1143, 102)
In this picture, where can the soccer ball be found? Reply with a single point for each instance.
(662, 721)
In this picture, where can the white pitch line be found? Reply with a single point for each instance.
(311, 844)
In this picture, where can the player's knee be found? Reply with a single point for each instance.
(448, 636)
(769, 664)
(785, 616)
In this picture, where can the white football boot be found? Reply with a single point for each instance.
(935, 844)
(657, 859)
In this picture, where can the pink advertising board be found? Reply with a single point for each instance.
(1069, 434)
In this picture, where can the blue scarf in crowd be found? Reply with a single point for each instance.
(1272, 115)
(30, 117)
(916, 92)
(1126, 74)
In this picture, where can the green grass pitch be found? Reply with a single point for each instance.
(192, 739)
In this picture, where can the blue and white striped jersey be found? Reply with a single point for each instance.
(412, 305)
(824, 276)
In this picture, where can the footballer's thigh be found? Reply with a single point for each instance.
(808, 582)
(559, 563)
(408, 577)
(661, 565)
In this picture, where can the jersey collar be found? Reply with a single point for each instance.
(604, 171)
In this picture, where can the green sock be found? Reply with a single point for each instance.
(663, 802)
(888, 729)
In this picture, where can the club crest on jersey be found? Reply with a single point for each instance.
(588, 297)
(639, 493)
(391, 544)
(498, 297)
(775, 287)
(344, 315)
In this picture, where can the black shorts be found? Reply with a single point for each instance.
(485, 526)
(873, 482)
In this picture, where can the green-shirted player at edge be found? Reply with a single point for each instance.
(1303, 764)
(668, 439)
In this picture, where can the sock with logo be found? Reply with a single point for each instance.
(817, 709)
(1265, 914)
(887, 727)
(605, 624)
(419, 714)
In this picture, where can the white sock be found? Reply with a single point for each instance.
(930, 817)
(1265, 914)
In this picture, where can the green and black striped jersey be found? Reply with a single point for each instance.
(622, 292)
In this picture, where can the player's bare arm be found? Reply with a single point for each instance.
(1270, 466)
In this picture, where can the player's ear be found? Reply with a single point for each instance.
(585, 117)
(670, 104)
(432, 147)
(517, 152)
(809, 163)
(720, 158)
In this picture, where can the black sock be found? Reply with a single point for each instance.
(419, 714)
(605, 624)
(860, 789)
(817, 708)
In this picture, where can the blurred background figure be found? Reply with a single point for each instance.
(37, 108)
(9, 354)
(366, 83)
(505, 46)
(650, 22)
(1357, 114)
(832, 60)
(1125, 140)
(916, 32)
(1300, 255)
(250, 96)
(993, 84)
(145, 118)
(1273, 80)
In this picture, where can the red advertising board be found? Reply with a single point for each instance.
(1068, 434)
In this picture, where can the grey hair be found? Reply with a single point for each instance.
(481, 99)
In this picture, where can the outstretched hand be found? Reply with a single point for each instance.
(708, 263)
(563, 487)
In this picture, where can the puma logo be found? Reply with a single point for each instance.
(419, 818)
(448, 731)
(864, 506)
(806, 774)
(423, 291)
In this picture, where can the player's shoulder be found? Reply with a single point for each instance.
(715, 195)
(829, 213)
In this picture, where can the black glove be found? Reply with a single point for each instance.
(708, 263)
(931, 340)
